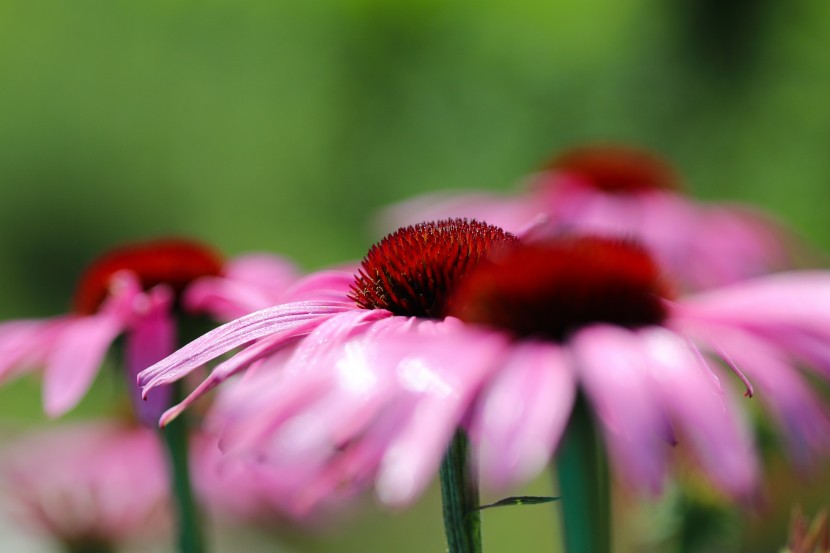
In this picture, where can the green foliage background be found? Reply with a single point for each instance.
(283, 126)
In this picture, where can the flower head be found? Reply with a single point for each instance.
(135, 291)
(341, 395)
(78, 484)
(621, 191)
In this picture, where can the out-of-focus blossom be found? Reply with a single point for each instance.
(104, 483)
(80, 484)
(431, 335)
(240, 489)
(621, 191)
(136, 291)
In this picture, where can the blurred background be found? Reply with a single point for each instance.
(283, 126)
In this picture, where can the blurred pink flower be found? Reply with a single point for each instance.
(428, 337)
(133, 291)
(622, 191)
(78, 484)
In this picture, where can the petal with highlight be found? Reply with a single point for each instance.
(616, 380)
(522, 413)
(279, 322)
(444, 374)
(696, 402)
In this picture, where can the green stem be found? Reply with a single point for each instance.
(176, 439)
(459, 493)
(583, 485)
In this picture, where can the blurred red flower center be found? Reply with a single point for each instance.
(412, 271)
(551, 288)
(617, 169)
(175, 262)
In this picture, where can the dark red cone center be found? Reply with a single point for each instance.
(617, 169)
(552, 288)
(175, 262)
(413, 271)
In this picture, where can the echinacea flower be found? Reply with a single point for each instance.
(77, 484)
(631, 193)
(136, 291)
(457, 324)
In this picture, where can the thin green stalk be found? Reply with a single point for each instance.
(175, 436)
(583, 486)
(459, 493)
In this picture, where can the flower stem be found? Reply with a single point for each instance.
(176, 439)
(583, 485)
(459, 493)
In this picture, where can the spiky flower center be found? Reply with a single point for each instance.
(617, 169)
(414, 270)
(175, 262)
(549, 289)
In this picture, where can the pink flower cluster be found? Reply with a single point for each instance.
(602, 283)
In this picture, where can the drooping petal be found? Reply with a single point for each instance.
(79, 351)
(800, 299)
(75, 360)
(278, 322)
(732, 243)
(693, 396)
(794, 406)
(343, 374)
(150, 338)
(444, 374)
(343, 321)
(521, 414)
(25, 345)
(616, 380)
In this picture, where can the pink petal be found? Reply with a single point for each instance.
(26, 344)
(279, 322)
(329, 285)
(797, 298)
(444, 374)
(522, 413)
(250, 283)
(616, 379)
(268, 346)
(74, 362)
(805, 423)
(83, 343)
(694, 398)
(734, 243)
(151, 338)
(345, 374)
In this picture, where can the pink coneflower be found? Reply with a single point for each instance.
(457, 324)
(135, 291)
(77, 484)
(622, 191)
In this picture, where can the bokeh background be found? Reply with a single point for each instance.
(283, 126)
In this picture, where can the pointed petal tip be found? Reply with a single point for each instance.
(170, 415)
